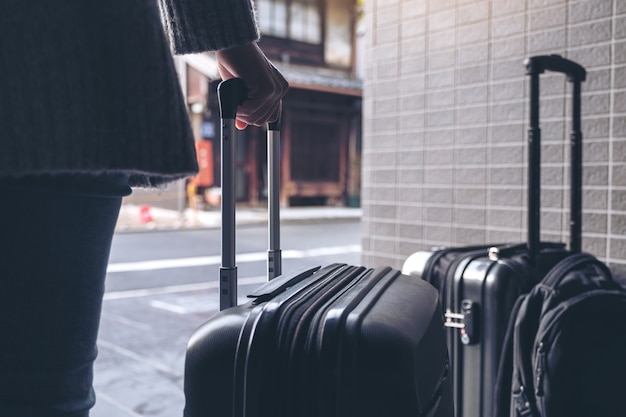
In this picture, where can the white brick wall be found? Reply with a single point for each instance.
(445, 116)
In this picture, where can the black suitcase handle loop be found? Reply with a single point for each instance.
(576, 74)
(556, 63)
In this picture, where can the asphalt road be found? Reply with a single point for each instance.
(163, 285)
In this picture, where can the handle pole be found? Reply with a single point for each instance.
(274, 253)
(576, 172)
(231, 93)
(228, 270)
(534, 171)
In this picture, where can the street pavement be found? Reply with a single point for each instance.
(144, 332)
(134, 218)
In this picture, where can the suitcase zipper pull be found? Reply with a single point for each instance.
(466, 321)
(454, 320)
(540, 367)
(522, 405)
(494, 254)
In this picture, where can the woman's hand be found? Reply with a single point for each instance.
(266, 85)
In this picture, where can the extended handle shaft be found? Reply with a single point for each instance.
(575, 74)
(274, 253)
(231, 93)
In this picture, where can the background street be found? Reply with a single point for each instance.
(163, 285)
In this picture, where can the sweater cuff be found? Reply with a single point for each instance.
(208, 25)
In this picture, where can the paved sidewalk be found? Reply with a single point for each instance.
(136, 218)
(143, 334)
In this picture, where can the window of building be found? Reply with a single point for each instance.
(299, 20)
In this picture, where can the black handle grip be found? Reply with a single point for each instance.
(541, 63)
(275, 125)
(231, 93)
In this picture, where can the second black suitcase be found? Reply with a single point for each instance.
(480, 284)
(341, 341)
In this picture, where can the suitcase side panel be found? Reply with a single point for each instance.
(396, 324)
(485, 292)
(504, 283)
(263, 357)
(299, 381)
(209, 363)
(218, 350)
(487, 289)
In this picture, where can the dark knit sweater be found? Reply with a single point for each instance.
(90, 86)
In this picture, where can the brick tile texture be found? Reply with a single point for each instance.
(445, 120)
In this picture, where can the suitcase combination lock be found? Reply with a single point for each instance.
(465, 321)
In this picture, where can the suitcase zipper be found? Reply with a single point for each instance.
(540, 366)
(522, 405)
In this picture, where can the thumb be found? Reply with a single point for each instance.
(240, 125)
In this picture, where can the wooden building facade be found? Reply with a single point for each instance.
(313, 43)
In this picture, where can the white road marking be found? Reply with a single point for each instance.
(216, 260)
(173, 289)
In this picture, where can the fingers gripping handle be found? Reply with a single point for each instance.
(231, 93)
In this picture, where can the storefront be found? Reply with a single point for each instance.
(320, 150)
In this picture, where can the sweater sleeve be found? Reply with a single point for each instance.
(207, 25)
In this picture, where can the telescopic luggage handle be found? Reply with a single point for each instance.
(274, 253)
(231, 94)
(555, 63)
(575, 74)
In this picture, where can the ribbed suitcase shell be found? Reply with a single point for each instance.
(343, 341)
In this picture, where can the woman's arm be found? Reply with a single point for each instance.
(228, 26)
(208, 25)
(266, 85)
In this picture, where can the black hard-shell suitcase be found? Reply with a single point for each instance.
(337, 341)
(479, 284)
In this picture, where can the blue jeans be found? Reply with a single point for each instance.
(55, 236)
